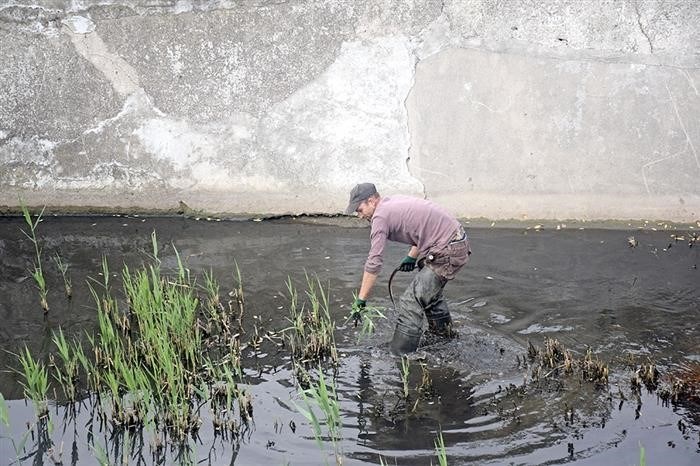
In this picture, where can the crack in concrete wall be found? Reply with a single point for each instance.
(642, 28)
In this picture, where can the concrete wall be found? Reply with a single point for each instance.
(499, 109)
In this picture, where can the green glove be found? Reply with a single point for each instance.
(357, 307)
(407, 264)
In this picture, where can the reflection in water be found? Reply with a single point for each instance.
(588, 289)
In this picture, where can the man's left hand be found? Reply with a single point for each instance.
(407, 264)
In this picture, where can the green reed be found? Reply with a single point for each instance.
(152, 358)
(38, 272)
(5, 420)
(100, 454)
(405, 370)
(36, 381)
(218, 319)
(224, 388)
(367, 316)
(212, 289)
(70, 356)
(4, 413)
(63, 268)
(323, 396)
(237, 297)
(311, 335)
(151, 363)
(440, 449)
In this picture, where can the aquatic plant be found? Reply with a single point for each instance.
(63, 268)
(439, 443)
(425, 388)
(554, 359)
(593, 369)
(682, 384)
(38, 272)
(366, 316)
(165, 341)
(159, 355)
(219, 320)
(646, 374)
(67, 374)
(689, 377)
(323, 396)
(36, 381)
(237, 297)
(311, 335)
(5, 420)
(225, 394)
(4, 415)
(152, 363)
(100, 454)
(211, 286)
(405, 369)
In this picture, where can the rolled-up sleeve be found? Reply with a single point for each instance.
(375, 258)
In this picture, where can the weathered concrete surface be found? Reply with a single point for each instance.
(544, 136)
(521, 109)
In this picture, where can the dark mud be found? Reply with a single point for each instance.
(586, 287)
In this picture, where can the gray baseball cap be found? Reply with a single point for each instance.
(359, 193)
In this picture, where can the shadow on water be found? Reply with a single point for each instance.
(589, 289)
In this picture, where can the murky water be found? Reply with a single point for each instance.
(587, 288)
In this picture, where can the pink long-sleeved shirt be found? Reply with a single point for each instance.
(409, 220)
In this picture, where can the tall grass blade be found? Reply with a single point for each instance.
(405, 370)
(4, 413)
(36, 381)
(440, 449)
(323, 396)
(37, 273)
(63, 268)
(311, 334)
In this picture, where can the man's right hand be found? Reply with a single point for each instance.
(357, 307)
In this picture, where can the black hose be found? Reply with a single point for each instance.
(391, 278)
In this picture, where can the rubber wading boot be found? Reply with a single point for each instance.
(441, 326)
(403, 343)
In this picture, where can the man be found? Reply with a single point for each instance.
(438, 245)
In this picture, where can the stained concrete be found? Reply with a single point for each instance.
(526, 135)
(558, 109)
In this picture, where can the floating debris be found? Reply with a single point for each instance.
(632, 242)
(537, 328)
